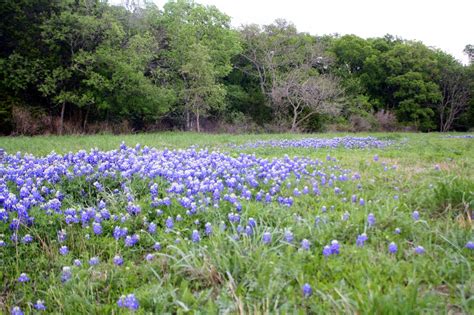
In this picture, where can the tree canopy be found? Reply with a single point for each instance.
(88, 66)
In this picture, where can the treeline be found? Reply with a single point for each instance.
(84, 66)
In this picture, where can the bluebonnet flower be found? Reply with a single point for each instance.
(149, 257)
(267, 237)
(66, 274)
(252, 223)
(305, 244)
(208, 228)
(23, 278)
(118, 260)
(334, 247)
(39, 305)
(397, 231)
(415, 215)
(169, 223)
(288, 236)
(327, 251)
(419, 250)
(307, 290)
(345, 216)
(119, 232)
(63, 250)
(157, 246)
(376, 158)
(470, 245)
(361, 202)
(27, 239)
(234, 217)
(16, 311)
(371, 219)
(353, 198)
(195, 236)
(133, 209)
(248, 230)
(152, 228)
(77, 263)
(94, 261)
(3, 243)
(392, 248)
(361, 239)
(129, 301)
(62, 236)
(131, 240)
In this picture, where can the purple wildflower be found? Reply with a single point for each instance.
(419, 250)
(149, 257)
(23, 278)
(157, 246)
(129, 301)
(327, 251)
(334, 247)
(118, 261)
(66, 274)
(195, 236)
(39, 305)
(415, 215)
(361, 239)
(64, 250)
(307, 290)
(16, 311)
(392, 248)
(371, 219)
(267, 238)
(94, 261)
(305, 244)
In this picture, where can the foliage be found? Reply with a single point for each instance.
(88, 62)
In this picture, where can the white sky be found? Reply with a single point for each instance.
(444, 24)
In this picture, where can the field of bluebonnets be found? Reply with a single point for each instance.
(183, 222)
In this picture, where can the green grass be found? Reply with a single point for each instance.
(221, 275)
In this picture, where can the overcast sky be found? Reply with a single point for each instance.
(448, 25)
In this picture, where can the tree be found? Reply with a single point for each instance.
(276, 56)
(454, 84)
(469, 51)
(203, 92)
(186, 24)
(306, 95)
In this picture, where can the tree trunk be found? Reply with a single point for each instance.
(85, 119)
(188, 120)
(61, 122)
(198, 127)
(295, 116)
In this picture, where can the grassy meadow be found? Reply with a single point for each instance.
(228, 271)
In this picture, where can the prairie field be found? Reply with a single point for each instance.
(176, 223)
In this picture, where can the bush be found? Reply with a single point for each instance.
(386, 120)
(31, 121)
(359, 123)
